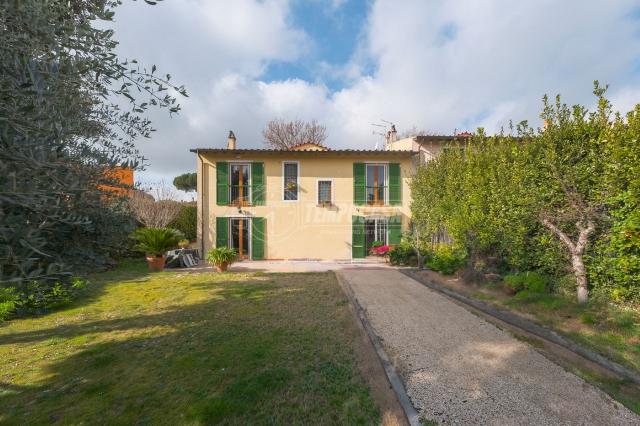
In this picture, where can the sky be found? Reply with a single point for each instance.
(432, 65)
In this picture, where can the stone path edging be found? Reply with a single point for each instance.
(394, 379)
(528, 326)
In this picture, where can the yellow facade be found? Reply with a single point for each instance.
(300, 229)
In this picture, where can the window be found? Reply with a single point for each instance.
(376, 188)
(239, 184)
(324, 192)
(290, 181)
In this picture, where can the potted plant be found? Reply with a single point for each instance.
(183, 244)
(221, 257)
(155, 242)
(291, 186)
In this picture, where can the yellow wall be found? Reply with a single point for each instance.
(299, 229)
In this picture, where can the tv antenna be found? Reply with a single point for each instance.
(383, 130)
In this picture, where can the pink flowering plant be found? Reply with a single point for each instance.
(380, 250)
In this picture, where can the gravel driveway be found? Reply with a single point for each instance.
(459, 369)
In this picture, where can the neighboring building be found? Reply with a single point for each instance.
(309, 202)
(122, 176)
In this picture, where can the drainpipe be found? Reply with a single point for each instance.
(201, 206)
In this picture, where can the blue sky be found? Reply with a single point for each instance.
(432, 65)
(334, 31)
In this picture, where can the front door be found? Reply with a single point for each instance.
(240, 236)
(375, 230)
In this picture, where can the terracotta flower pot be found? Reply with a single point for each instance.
(156, 263)
(222, 267)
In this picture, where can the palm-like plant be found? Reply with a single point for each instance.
(156, 241)
(222, 257)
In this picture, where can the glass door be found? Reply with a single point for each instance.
(240, 236)
(375, 230)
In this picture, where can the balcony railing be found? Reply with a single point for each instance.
(239, 195)
(376, 195)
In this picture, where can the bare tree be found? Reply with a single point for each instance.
(409, 133)
(280, 134)
(157, 207)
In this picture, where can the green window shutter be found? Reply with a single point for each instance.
(357, 240)
(222, 183)
(257, 238)
(395, 229)
(222, 232)
(359, 184)
(395, 185)
(257, 184)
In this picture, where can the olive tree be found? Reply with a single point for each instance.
(567, 176)
(71, 110)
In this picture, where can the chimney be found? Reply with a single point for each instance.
(393, 134)
(231, 140)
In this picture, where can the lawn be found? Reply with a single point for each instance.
(181, 348)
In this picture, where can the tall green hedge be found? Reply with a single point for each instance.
(499, 197)
(186, 221)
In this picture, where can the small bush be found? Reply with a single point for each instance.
(446, 259)
(376, 244)
(8, 300)
(402, 254)
(37, 297)
(530, 281)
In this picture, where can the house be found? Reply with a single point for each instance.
(309, 202)
(123, 177)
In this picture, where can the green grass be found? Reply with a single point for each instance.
(179, 348)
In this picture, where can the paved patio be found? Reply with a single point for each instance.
(297, 265)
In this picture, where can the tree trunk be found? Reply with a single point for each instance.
(581, 277)
(577, 251)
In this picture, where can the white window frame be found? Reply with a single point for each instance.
(240, 162)
(333, 192)
(386, 181)
(297, 163)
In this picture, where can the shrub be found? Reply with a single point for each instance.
(156, 241)
(39, 296)
(8, 300)
(221, 255)
(376, 244)
(380, 250)
(446, 258)
(186, 221)
(402, 254)
(531, 281)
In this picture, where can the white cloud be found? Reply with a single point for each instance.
(438, 66)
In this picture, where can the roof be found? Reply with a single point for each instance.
(310, 146)
(333, 152)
